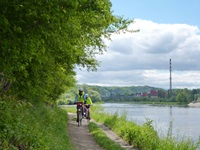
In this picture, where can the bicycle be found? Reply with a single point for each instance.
(87, 112)
(79, 106)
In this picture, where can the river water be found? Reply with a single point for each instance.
(181, 122)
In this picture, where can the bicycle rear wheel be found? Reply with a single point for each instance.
(88, 115)
(79, 118)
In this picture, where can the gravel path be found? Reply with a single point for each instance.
(83, 139)
(80, 136)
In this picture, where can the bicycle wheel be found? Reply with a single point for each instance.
(88, 115)
(79, 118)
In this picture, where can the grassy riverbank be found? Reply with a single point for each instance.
(141, 136)
(102, 138)
(32, 126)
(154, 103)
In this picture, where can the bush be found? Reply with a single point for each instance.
(27, 126)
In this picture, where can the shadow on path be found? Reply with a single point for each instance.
(83, 139)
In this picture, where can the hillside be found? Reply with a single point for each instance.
(114, 92)
(109, 93)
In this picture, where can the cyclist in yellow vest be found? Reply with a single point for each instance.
(88, 99)
(88, 103)
(80, 97)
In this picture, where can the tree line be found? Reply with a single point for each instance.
(133, 94)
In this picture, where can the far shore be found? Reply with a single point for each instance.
(194, 104)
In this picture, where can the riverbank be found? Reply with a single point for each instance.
(194, 104)
(151, 103)
(141, 136)
(83, 139)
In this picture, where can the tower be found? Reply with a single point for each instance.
(170, 79)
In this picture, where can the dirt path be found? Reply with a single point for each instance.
(83, 139)
(80, 136)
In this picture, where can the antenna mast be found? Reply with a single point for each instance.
(170, 78)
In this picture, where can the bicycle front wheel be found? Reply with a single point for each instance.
(79, 118)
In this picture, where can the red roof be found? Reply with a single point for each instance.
(145, 94)
(153, 93)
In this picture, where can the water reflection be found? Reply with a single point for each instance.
(182, 122)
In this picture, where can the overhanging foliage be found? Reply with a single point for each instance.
(41, 41)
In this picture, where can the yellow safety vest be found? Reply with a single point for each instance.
(88, 101)
(81, 97)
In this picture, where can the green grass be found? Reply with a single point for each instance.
(27, 126)
(143, 136)
(102, 138)
(69, 108)
(99, 135)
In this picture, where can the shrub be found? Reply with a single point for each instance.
(27, 126)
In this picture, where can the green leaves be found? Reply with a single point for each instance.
(42, 41)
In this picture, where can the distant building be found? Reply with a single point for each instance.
(138, 94)
(145, 94)
(154, 94)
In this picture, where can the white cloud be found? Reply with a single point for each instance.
(142, 58)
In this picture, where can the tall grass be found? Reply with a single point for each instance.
(102, 138)
(143, 136)
(27, 126)
(69, 108)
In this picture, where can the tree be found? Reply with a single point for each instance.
(42, 41)
(95, 96)
(188, 95)
(180, 98)
(194, 92)
(161, 93)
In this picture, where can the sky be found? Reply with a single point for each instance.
(168, 29)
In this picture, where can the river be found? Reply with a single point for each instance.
(181, 122)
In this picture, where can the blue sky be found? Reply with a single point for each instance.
(169, 29)
(160, 11)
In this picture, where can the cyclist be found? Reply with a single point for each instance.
(80, 97)
(88, 103)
